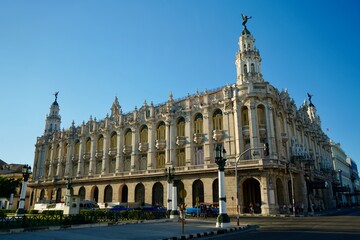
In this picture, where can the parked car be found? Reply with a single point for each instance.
(153, 209)
(204, 210)
(88, 205)
(117, 208)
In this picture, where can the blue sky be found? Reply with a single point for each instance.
(92, 51)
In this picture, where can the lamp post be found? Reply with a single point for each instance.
(170, 174)
(236, 178)
(26, 172)
(223, 219)
(68, 186)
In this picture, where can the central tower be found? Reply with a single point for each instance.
(248, 60)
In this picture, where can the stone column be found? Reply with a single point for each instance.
(59, 166)
(207, 124)
(105, 160)
(119, 154)
(270, 131)
(92, 160)
(189, 150)
(50, 173)
(237, 127)
(168, 140)
(135, 149)
(253, 128)
(151, 138)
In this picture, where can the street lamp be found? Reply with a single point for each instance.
(25, 172)
(223, 219)
(170, 175)
(68, 185)
(292, 187)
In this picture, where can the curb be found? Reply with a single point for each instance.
(206, 234)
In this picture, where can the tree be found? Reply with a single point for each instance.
(8, 186)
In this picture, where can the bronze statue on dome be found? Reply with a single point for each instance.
(245, 18)
(56, 93)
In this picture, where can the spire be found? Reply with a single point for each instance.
(115, 108)
(53, 119)
(248, 60)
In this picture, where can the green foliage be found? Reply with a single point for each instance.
(34, 211)
(8, 186)
(53, 212)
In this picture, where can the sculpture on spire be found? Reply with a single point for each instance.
(56, 93)
(245, 18)
(310, 96)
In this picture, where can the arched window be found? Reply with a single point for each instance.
(88, 146)
(128, 137)
(217, 120)
(144, 134)
(158, 194)
(245, 68)
(57, 151)
(261, 115)
(198, 123)
(252, 68)
(245, 116)
(198, 191)
(160, 131)
(113, 141)
(180, 127)
(100, 143)
(65, 149)
(77, 147)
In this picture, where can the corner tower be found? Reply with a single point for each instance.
(53, 119)
(248, 60)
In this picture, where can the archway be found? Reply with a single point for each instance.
(251, 195)
(140, 193)
(180, 189)
(198, 191)
(82, 193)
(280, 192)
(158, 194)
(124, 194)
(215, 189)
(58, 195)
(95, 194)
(108, 194)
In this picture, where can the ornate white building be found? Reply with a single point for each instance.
(122, 157)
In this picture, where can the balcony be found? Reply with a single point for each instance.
(246, 131)
(199, 138)
(218, 135)
(112, 152)
(180, 141)
(98, 154)
(160, 144)
(127, 150)
(86, 156)
(143, 147)
(284, 137)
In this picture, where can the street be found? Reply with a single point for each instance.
(336, 226)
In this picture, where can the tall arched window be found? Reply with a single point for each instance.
(217, 120)
(88, 146)
(65, 149)
(160, 131)
(100, 143)
(245, 68)
(140, 193)
(252, 68)
(113, 141)
(128, 137)
(77, 147)
(180, 127)
(198, 123)
(261, 115)
(144, 134)
(245, 116)
(82, 192)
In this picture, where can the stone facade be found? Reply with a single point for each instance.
(122, 158)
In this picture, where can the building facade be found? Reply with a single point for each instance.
(122, 158)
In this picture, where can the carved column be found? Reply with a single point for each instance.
(105, 159)
(189, 150)
(81, 160)
(92, 160)
(270, 131)
(151, 137)
(119, 154)
(135, 147)
(253, 125)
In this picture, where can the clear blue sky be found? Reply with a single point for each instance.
(92, 51)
